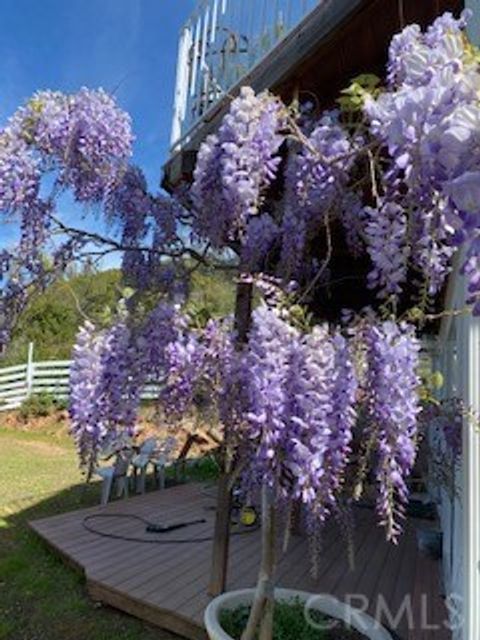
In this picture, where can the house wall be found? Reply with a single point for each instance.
(458, 356)
(469, 555)
(474, 28)
(450, 502)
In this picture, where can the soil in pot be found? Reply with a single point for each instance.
(290, 624)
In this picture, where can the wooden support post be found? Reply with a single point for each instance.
(221, 542)
(243, 312)
(221, 539)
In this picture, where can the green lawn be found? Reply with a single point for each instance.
(40, 598)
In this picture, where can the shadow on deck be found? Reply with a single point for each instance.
(166, 584)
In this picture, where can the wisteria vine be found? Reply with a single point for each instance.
(275, 184)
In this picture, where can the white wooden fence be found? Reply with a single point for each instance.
(19, 382)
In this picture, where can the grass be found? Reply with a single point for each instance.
(40, 598)
(289, 623)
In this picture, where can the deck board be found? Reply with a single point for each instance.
(166, 584)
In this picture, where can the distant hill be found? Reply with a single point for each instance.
(52, 320)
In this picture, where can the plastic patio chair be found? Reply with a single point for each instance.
(117, 475)
(162, 457)
(141, 460)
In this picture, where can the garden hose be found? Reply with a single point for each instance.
(154, 528)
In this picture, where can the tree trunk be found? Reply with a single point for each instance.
(221, 542)
(243, 311)
(263, 604)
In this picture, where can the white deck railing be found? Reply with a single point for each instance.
(19, 382)
(221, 42)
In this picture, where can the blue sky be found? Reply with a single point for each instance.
(126, 46)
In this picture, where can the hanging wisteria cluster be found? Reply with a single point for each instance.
(85, 136)
(301, 410)
(316, 179)
(79, 143)
(105, 390)
(198, 365)
(393, 406)
(85, 374)
(235, 167)
(427, 119)
(109, 370)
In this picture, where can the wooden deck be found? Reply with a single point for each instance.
(166, 584)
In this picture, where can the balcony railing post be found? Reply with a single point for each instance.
(181, 88)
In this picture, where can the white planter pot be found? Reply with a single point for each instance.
(325, 604)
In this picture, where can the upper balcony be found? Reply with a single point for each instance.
(225, 40)
(292, 47)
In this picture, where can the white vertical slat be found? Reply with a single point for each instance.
(187, 70)
(196, 47)
(204, 76)
(213, 32)
(470, 358)
(30, 368)
(181, 88)
(217, 36)
(212, 56)
(205, 37)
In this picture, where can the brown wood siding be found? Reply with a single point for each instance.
(360, 45)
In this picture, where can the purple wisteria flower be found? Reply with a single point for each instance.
(88, 431)
(19, 174)
(260, 238)
(301, 398)
(429, 120)
(385, 236)
(316, 177)
(83, 135)
(109, 370)
(391, 388)
(236, 165)
(198, 365)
